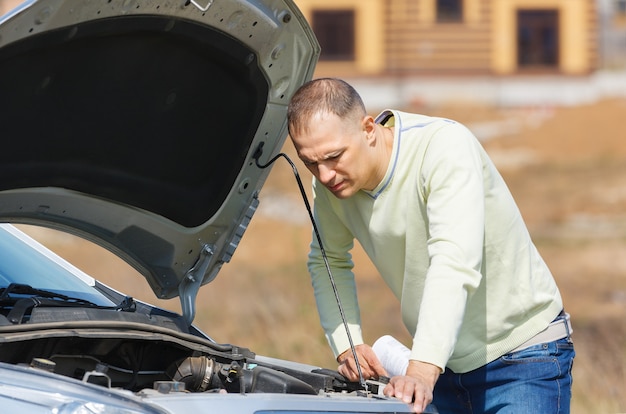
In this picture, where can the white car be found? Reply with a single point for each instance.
(141, 125)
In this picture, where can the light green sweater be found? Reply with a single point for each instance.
(448, 239)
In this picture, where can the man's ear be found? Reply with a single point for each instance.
(369, 127)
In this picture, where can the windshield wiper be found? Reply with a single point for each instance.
(21, 289)
(42, 297)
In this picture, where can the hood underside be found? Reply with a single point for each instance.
(160, 120)
(133, 124)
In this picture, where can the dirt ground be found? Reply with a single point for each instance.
(566, 167)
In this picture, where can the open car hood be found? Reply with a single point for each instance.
(133, 123)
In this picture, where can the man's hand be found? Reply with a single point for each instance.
(370, 364)
(416, 387)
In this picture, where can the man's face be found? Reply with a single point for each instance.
(335, 151)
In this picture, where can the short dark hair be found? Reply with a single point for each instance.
(329, 95)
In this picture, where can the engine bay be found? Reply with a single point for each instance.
(121, 350)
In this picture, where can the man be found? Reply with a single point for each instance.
(436, 218)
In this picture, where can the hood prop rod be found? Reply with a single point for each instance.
(256, 156)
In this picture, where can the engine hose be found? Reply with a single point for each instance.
(196, 372)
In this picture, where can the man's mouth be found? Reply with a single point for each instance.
(336, 187)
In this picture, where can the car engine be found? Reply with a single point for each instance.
(136, 351)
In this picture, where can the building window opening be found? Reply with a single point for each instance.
(334, 30)
(449, 11)
(537, 38)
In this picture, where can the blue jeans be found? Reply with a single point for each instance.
(534, 380)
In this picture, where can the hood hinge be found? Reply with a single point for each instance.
(188, 288)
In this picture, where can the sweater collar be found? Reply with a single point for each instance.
(388, 118)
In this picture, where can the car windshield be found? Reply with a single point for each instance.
(24, 261)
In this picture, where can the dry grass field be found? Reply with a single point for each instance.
(566, 168)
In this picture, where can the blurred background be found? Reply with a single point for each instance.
(542, 84)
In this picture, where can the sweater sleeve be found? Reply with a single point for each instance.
(451, 180)
(337, 242)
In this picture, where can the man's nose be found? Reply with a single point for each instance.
(325, 173)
